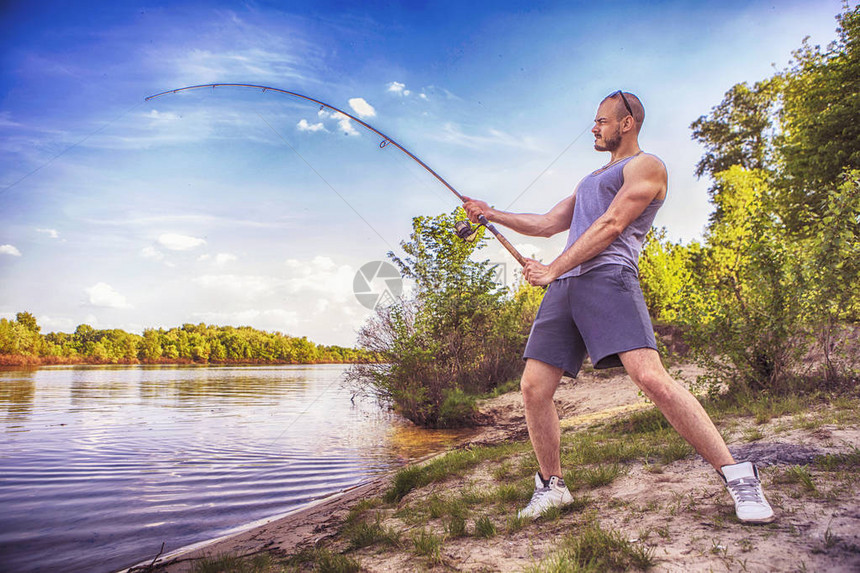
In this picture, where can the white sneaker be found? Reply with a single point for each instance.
(553, 494)
(745, 488)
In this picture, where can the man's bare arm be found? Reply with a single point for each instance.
(553, 221)
(645, 179)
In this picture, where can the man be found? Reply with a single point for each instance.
(594, 305)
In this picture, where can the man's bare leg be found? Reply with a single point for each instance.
(680, 407)
(538, 385)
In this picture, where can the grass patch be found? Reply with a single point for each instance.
(484, 527)
(593, 477)
(838, 462)
(428, 545)
(451, 464)
(510, 493)
(322, 561)
(455, 526)
(792, 399)
(641, 422)
(646, 438)
(233, 563)
(504, 388)
(797, 475)
(753, 435)
(515, 523)
(595, 549)
(328, 562)
(364, 534)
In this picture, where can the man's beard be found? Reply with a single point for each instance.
(611, 143)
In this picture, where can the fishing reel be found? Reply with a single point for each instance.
(465, 230)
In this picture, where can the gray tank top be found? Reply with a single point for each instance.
(593, 197)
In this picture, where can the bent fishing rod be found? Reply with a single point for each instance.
(463, 229)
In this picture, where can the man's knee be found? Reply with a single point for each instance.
(650, 376)
(532, 389)
(539, 381)
(659, 389)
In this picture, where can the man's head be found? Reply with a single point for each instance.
(620, 115)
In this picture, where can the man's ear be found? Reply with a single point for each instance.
(628, 124)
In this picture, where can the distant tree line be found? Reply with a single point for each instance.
(21, 342)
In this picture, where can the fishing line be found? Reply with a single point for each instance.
(74, 145)
(409, 167)
(330, 186)
(547, 168)
(305, 411)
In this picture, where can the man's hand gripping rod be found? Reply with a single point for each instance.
(464, 230)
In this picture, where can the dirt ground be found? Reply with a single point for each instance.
(679, 510)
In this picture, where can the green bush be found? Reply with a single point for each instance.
(458, 336)
(457, 409)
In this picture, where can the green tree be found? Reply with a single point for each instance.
(28, 321)
(777, 273)
(820, 129)
(829, 271)
(745, 317)
(739, 130)
(150, 347)
(666, 273)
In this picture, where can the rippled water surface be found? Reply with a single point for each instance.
(99, 466)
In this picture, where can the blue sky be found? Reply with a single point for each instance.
(239, 207)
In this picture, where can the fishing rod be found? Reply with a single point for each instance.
(462, 228)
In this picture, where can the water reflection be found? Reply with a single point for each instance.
(105, 464)
(17, 393)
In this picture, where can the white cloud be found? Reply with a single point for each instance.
(361, 107)
(155, 114)
(528, 250)
(224, 258)
(151, 253)
(303, 125)
(104, 295)
(246, 286)
(57, 323)
(343, 122)
(9, 250)
(53, 233)
(177, 242)
(399, 88)
(269, 319)
(7, 121)
(453, 134)
(320, 275)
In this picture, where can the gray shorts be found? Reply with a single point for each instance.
(600, 313)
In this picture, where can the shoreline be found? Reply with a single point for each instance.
(285, 533)
(15, 362)
(237, 536)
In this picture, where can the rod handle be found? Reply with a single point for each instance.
(503, 240)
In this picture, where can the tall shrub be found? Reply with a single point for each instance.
(458, 334)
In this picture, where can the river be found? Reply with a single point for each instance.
(101, 465)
